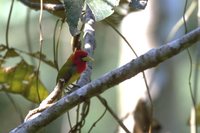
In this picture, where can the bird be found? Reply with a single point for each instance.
(73, 67)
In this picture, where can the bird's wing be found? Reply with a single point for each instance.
(68, 72)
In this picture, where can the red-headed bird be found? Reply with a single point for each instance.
(74, 66)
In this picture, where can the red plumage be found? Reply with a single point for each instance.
(78, 62)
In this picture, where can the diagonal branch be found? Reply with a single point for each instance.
(110, 79)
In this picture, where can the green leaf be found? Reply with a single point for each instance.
(102, 8)
(31, 92)
(21, 79)
(73, 9)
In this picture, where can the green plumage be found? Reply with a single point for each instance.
(68, 72)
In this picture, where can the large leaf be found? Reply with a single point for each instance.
(21, 79)
(73, 9)
(102, 8)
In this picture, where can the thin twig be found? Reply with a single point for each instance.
(8, 22)
(58, 42)
(94, 124)
(28, 35)
(69, 120)
(193, 114)
(77, 114)
(41, 42)
(143, 73)
(45, 6)
(103, 101)
(54, 46)
(151, 102)
(180, 22)
(122, 36)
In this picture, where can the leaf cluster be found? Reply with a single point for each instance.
(21, 78)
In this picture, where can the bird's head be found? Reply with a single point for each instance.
(80, 58)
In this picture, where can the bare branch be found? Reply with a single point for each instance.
(150, 59)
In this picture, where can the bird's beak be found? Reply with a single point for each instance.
(87, 59)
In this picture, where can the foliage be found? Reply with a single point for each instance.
(102, 8)
(20, 78)
(73, 9)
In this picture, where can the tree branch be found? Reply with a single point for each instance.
(110, 79)
(89, 45)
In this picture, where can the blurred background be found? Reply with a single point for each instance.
(145, 29)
